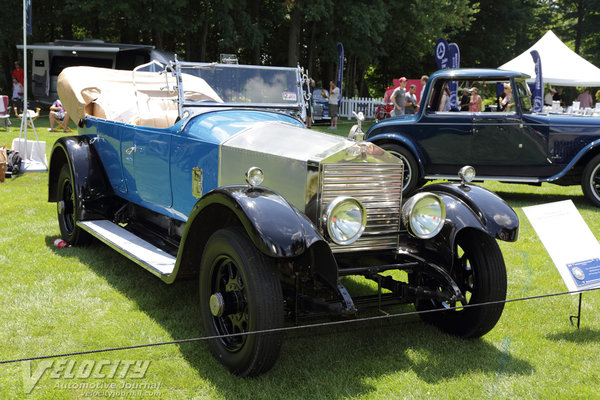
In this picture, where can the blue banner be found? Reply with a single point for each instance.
(441, 53)
(28, 16)
(538, 90)
(454, 55)
(340, 75)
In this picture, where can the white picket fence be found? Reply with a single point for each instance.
(365, 104)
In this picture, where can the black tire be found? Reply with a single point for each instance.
(411, 170)
(67, 210)
(250, 300)
(480, 273)
(590, 181)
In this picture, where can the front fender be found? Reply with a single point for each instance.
(468, 207)
(275, 227)
(477, 207)
(89, 178)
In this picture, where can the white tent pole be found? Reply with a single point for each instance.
(25, 110)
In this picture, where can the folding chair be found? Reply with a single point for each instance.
(31, 115)
(4, 114)
(61, 124)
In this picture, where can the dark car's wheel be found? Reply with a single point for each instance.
(411, 171)
(590, 181)
(240, 292)
(480, 273)
(67, 210)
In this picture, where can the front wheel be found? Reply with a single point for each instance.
(590, 181)
(240, 292)
(411, 170)
(480, 273)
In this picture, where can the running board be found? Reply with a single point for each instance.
(131, 246)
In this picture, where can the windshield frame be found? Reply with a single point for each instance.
(178, 68)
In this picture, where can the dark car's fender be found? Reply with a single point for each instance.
(467, 207)
(91, 184)
(401, 140)
(276, 228)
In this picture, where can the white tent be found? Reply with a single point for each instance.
(560, 65)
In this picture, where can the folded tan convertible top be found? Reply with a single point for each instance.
(139, 98)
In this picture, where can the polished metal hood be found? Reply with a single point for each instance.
(290, 157)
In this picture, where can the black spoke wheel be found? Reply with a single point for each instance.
(590, 181)
(411, 171)
(67, 210)
(240, 292)
(480, 273)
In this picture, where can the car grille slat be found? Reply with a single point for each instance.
(379, 188)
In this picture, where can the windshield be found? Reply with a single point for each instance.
(524, 96)
(249, 85)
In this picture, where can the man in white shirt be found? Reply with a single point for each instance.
(398, 98)
(334, 94)
(548, 97)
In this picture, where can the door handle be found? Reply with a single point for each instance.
(130, 150)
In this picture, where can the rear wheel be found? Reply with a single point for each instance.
(240, 292)
(590, 181)
(480, 273)
(67, 210)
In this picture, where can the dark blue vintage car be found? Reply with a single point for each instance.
(504, 142)
(206, 170)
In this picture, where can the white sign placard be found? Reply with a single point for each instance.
(569, 242)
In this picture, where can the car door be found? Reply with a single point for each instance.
(501, 142)
(444, 139)
(145, 157)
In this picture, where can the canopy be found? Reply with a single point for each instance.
(560, 65)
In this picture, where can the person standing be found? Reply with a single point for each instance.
(559, 97)
(18, 73)
(410, 105)
(17, 95)
(505, 101)
(549, 97)
(398, 98)
(475, 102)
(585, 99)
(424, 80)
(464, 100)
(334, 94)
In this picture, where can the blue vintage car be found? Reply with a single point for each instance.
(206, 170)
(507, 144)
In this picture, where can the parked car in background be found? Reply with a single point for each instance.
(207, 170)
(512, 145)
(320, 106)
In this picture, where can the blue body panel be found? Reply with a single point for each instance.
(153, 167)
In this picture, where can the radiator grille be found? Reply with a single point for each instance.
(379, 188)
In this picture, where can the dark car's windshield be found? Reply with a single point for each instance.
(249, 84)
(524, 96)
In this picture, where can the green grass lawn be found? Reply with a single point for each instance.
(64, 300)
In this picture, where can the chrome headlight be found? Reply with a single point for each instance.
(345, 218)
(424, 215)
